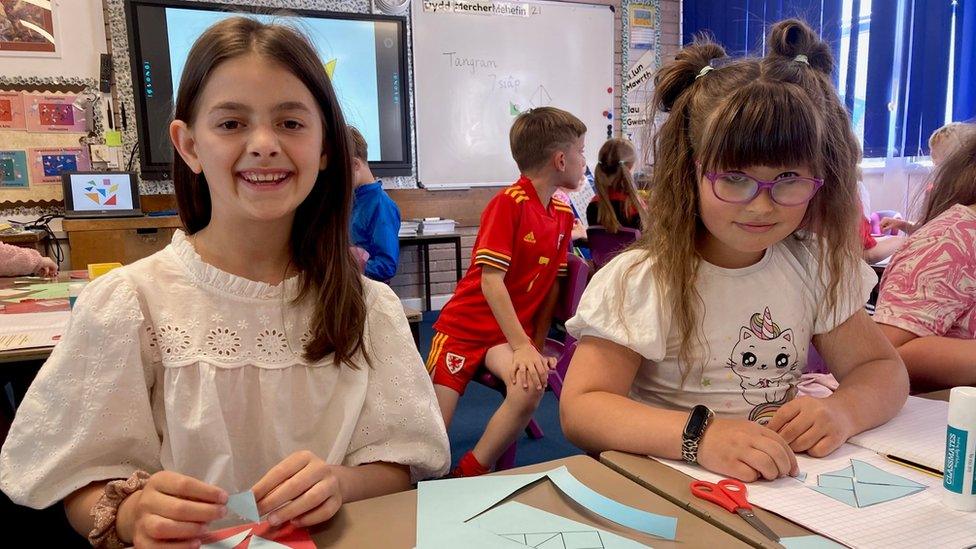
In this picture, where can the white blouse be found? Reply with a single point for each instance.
(172, 364)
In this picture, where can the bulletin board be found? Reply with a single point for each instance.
(46, 126)
(641, 56)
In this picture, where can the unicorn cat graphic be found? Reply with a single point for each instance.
(764, 359)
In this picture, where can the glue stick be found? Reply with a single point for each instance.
(959, 478)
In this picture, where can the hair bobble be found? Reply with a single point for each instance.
(705, 70)
(801, 59)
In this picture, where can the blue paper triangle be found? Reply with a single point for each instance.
(845, 472)
(841, 483)
(244, 506)
(871, 494)
(867, 473)
(843, 496)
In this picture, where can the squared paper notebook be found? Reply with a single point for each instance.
(914, 519)
(916, 434)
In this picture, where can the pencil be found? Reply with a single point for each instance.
(917, 466)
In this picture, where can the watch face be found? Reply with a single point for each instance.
(697, 421)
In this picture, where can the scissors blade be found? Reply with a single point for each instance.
(754, 521)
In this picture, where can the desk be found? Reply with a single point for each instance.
(35, 240)
(423, 241)
(391, 521)
(675, 486)
(9, 308)
(119, 239)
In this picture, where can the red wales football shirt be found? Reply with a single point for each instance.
(528, 241)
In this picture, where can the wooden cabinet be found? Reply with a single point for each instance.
(123, 239)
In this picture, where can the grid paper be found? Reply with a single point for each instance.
(917, 433)
(918, 520)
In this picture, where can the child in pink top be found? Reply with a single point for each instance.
(15, 261)
(927, 303)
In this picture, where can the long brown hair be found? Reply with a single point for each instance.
(319, 238)
(955, 181)
(733, 114)
(613, 174)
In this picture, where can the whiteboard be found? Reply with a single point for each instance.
(474, 73)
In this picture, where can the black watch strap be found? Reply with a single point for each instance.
(698, 421)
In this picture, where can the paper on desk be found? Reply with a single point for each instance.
(920, 520)
(444, 506)
(861, 484)
(28, 331)
(809, 542)
(51, 290)
(537, 528)
(917, 433)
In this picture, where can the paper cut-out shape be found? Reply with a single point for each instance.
(257, 542)
(228, 542)
(244, 506)
(444, 508)
(810, 542)
(257, 536)
(862, 484)
(543, 530)
(51, 290)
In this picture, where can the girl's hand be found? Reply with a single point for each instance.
(172, 510)
(528, 364)
(817, 426)
(889, 223)
(745, 450)
(302, 489)
(46, 268)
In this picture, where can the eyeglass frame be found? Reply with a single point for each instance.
(760, 186)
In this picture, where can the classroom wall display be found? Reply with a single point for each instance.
(28, 27)
(12, 111)
(13, 169)
(477, 65)
(641, 59)
(55, 113)
(37, 197)
(46, 165)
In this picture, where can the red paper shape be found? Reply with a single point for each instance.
(286, 534)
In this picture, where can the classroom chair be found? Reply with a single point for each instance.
(876, 218)
(570, 293)
(605, 245)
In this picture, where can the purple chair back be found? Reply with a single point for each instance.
(876, 218)
(605, 246)
(571, 289)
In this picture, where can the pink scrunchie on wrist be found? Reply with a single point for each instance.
(105, 511)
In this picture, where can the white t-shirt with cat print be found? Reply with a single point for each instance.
(757, 327)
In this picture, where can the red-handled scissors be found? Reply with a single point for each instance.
(731, 494)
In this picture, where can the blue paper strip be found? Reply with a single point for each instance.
(649, 523)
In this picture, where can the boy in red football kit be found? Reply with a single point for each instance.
(499, 315)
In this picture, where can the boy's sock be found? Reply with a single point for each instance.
(469, 466)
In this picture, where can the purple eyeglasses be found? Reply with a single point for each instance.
(740, 188)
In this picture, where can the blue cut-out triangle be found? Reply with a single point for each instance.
(843, 496)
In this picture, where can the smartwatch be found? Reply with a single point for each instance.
(699, 420)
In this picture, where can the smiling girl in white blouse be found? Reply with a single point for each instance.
(249, 354)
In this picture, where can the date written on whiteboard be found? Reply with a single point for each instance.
(473, 64)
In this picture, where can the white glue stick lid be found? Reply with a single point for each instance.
(962, 407)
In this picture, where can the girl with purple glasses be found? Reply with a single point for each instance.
(692, 342)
